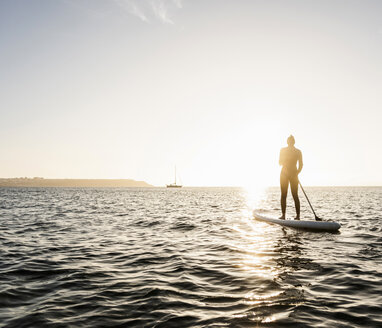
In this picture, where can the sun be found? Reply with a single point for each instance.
(245, 156)
(258, 148)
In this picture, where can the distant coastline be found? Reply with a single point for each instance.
(71, 183)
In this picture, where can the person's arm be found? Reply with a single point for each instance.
(300, 163)
(281, 158)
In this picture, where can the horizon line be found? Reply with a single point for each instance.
(184, 186)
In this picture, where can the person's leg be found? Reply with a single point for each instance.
(284, 192)
(294, 189)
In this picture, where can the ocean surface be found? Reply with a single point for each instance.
(190, 257)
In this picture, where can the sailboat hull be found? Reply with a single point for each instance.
(174, 185)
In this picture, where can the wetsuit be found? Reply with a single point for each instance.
(289, 156)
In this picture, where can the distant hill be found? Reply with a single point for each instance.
(74, 183)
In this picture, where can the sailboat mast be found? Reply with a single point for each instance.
(175, 174)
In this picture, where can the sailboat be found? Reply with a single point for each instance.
(174, 185)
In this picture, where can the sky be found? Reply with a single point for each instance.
(131, 88)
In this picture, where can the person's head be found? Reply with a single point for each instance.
(290, 141)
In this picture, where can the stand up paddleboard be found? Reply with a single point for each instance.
(318, 226)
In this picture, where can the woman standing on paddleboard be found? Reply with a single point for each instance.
(289, 156)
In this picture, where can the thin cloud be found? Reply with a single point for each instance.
(132, 8)
(136, 11)
(161, 11)
(148, 10)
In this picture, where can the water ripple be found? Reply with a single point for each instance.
(193, 257)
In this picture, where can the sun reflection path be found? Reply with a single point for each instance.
(260, 258)
(257, 246)
(256, 242)
(255, 197)
(258, 250)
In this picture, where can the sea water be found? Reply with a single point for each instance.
(190, 257)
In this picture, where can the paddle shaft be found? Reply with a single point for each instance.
(315, 216)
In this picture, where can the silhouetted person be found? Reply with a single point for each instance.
(289, 156)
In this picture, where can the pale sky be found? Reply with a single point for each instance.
(130, 88)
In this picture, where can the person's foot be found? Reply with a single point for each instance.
(297, 217)
(282, 217)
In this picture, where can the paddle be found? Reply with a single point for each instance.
(315, 216)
